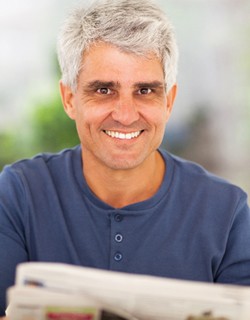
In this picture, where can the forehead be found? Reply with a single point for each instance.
(107, 62)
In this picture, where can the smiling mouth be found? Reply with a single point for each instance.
(122, 135)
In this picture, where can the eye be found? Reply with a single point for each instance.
(144, 91)
(104, 91)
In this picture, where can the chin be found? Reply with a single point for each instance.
(123, 164)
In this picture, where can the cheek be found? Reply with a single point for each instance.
(91, 109)
(90, 118)
(156, 115)
(81, 119)
(159, 121)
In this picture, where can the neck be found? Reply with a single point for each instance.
(120, 188)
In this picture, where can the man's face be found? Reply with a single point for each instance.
(120, 107)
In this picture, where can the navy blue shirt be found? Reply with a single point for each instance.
(196, 227)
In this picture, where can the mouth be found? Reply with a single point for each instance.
(122, 135)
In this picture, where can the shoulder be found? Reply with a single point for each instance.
(192, 178)
(40, 166)
(42, 160)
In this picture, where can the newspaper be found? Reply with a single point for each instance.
(58, 291)
(35, 303)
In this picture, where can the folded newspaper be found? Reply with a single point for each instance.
(45, 291)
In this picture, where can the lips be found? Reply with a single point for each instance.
(122, 135)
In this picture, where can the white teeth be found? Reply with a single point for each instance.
(123, 136)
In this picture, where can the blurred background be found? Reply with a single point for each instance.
(210, 123)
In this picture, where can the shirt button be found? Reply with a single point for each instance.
(118, 256)
(118, 217)
(118, 237)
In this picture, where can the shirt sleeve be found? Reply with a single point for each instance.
(12, 236)
(235, 265)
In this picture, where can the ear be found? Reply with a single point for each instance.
(67, 99)
(171, 95)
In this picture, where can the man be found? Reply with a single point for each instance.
(117, 202)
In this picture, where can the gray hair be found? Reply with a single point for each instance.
(134, 26)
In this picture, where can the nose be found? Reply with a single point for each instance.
(125, 110)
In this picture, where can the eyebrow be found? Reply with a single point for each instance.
(150, 84)
(93, 85)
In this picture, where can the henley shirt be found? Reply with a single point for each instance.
(196, 227)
